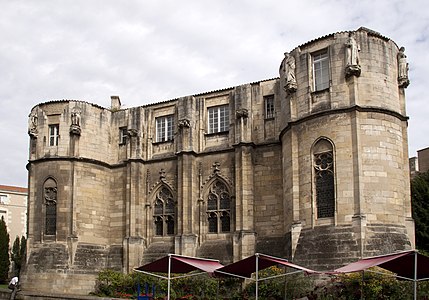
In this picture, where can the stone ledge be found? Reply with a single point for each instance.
(28, 295)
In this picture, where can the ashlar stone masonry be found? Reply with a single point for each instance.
(311, 166)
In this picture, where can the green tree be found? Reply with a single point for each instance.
(4, 252)
(23, 249)
(18, 253)
(420, 206)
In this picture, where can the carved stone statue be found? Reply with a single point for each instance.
(32, 125)
(75, 121)
(403, 80)
(352, 57)
(288, 67)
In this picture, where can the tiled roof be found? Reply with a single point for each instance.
(15, 189)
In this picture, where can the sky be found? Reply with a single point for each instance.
(155, 50)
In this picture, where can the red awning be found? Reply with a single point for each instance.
(403, 264)
(257, 262)
(181, 264)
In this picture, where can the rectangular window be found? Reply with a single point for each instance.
(321, 70)
(218, 119)
(164, 128)
(122, 135)
(53, 134)
(3, 214)
(269, 106)
(3, 199)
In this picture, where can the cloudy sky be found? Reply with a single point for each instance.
(154, 50)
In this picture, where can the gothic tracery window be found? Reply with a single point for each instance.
(219, 208)
(323, 162)
(164, 213)
(50, 202)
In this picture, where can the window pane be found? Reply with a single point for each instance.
(212, 202)
(164, 128)
(53, 135)
(269, 107)
(225, 222)
(158, 226)
(122, 135)
(224, 201)
(160, 130)
(169, 206)
(159, 207)
(51, 219)
(212, 223)
(321, 71)
(223, 118)
(213, 120)
(170, 126)
(218, 119)
(170, 225)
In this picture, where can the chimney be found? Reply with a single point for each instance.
(115, 102)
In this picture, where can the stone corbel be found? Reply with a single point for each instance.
(242, 113)
(184, 123)
(353, 70)
(216, 167)
(291, 87)
(132, 132)
(75, 129)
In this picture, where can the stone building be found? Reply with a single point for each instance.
(423, 158)
(13, 209)
(420, 163)
(311, 166)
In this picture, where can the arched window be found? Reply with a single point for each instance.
(164, 213)
(324, 178)
(50, 202)
(219, 208)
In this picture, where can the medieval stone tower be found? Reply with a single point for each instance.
(311, 166)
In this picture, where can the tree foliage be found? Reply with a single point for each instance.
(420, 206)
(18, 254)
(4, 252)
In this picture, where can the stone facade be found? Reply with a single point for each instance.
(13, 208)
(311, 166)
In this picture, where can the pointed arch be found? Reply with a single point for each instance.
(219, 202)
(324, 177)
(50, 197)
(164, 211)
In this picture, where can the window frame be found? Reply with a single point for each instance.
(123, 135)
(53, 134)
(164, 128)
(164, 213)
(4, 199)
(319, 73)
(50, 195)
(218, 119)
(269, 109)
(218, 210)
(324, 172)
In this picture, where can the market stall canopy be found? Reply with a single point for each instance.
(404, 264)
(245, 267)
(173, 263)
